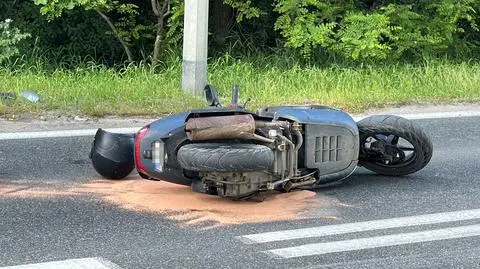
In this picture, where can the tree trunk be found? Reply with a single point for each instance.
(117, 36)
(161, 12)
(158, 43)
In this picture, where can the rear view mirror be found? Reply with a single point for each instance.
(211, 96)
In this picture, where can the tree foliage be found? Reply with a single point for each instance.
(362, 30)
(9, 38)
(138, 30)
(125, 29)
(245, 9)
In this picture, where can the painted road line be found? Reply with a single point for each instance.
(361, 226)
(91, 132)
(441, 258)
(431, 115)
(87, 263)
(62, 133)
(376, 242)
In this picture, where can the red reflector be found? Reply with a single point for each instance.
(138, 150)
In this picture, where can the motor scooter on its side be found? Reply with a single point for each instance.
(232, 152)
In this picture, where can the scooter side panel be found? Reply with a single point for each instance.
(331, 139)
(311, 114)
(163, 128)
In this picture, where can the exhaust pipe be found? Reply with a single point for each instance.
(222, 127)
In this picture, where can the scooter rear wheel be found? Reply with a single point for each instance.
(393, 146)
(225, 157)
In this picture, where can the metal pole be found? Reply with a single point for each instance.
(195, 45)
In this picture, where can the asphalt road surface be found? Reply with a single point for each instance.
(427, 220)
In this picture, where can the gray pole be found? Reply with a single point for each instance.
(195, 43)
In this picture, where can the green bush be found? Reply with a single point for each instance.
(9, 39)
(78, 35)
(323, 31)
(375, 30)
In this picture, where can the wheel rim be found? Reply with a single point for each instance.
(388, 150)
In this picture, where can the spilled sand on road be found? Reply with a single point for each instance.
(180, 204)
(24, 191)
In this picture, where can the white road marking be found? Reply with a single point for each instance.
(376, 242)
(441, 258)
(87, 263)
(91, 132)
(361, 226)
(431, 115)
(62, 133)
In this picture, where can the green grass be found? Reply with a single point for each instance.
(101, 91)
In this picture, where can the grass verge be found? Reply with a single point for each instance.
(101, 91)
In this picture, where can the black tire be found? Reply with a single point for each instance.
(395, 126)
(220, 157)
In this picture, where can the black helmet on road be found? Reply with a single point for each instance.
(112, 154)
